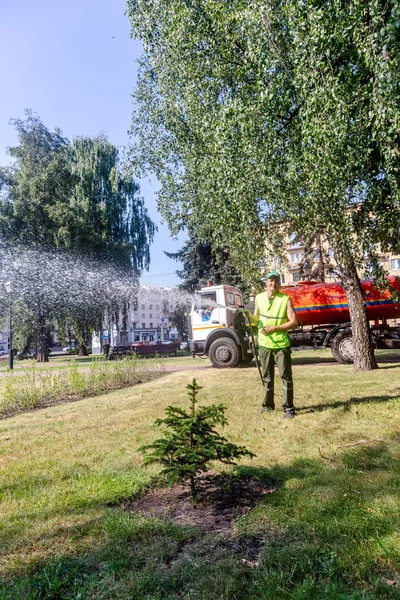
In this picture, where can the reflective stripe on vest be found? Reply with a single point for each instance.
(274, 313)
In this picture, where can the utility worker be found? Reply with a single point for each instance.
(274, 315)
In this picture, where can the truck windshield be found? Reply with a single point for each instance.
(209, 298)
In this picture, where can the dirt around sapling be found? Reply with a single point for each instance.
(222, 499)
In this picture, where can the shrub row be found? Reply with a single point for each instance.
(35, 387)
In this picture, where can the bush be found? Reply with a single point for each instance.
(36, 387)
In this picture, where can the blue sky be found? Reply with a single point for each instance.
(74, 64)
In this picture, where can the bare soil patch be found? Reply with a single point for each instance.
(222, 499)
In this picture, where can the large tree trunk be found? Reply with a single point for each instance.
(83, 351)
(42, 341)
(81, 338)
(364, 358)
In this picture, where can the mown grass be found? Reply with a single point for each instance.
(329, 531)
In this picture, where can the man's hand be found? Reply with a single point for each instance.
(269, 329)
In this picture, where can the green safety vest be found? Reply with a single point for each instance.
(272, 314)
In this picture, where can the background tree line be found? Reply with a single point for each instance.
(68, 197)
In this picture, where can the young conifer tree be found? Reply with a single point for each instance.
(191, 442)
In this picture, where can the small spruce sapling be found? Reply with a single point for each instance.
(190, 442)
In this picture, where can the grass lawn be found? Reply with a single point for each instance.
(329, 531)
(62, 362)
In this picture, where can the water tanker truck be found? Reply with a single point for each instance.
(218, 330)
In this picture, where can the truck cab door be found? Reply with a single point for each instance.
(205, 316)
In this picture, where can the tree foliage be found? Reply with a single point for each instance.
(252, 112)
(191, 442)
(72, 197)
(178, 317)
(202, 264)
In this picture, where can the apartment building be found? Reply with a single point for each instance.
(148, 321)
(299, 268)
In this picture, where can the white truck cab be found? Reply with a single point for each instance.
(217, 329)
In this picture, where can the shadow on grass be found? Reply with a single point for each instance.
(297, 359)
(324, 534)
(347, 405)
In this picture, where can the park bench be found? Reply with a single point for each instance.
(145, 349)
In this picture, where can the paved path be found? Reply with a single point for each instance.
(195, 367)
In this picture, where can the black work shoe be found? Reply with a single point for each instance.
(289, 413)
(266, 409)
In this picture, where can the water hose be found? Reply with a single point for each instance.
(255, 350)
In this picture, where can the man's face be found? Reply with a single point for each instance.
(272, 285)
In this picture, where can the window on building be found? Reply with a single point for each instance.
(143, 315)
(157, 307)
(276, 263)
(133, 324)
(296, 257)
(395, 264)
(150, 316)
(143, 325)
(151, 324)
(150, 307)
(296, 276)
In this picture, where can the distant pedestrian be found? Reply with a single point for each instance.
(274, 315)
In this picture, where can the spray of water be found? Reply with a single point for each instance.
(58, 285)
(56, 282)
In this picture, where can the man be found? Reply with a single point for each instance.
(274, 315)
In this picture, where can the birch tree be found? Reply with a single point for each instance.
(252, 112)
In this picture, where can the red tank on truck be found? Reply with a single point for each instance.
(218, 329)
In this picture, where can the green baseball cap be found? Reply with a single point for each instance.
(271, 274)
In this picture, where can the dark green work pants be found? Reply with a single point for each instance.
(282, 358)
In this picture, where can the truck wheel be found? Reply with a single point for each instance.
(343, 347)
(224, 353)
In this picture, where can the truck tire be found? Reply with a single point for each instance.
(224, 353)
(343, 348)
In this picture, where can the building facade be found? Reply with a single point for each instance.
(147, 321)
(300, 267)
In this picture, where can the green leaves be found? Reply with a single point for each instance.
(72, 197)
(252, 113)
